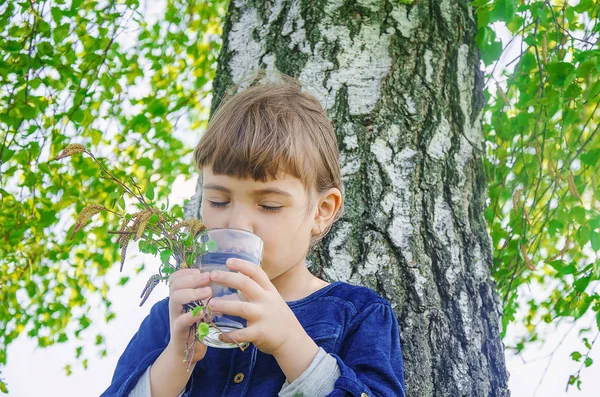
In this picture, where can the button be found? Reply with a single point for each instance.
(240, 377)
(364, 395)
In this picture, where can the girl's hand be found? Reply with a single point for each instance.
(271, 324)
(186, 286)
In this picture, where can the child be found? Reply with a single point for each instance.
(270, 165)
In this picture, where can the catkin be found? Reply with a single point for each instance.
(85, 215)
(196, 226)
(70, 150)
(502, 95)
(526, 257)
(544, 50)
(572, 187)
(143, 222)
(176, 227)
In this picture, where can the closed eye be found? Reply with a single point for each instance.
(267, 208)
(270, 209)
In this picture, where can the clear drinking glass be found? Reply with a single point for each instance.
(221, 245)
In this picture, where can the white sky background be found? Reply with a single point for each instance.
(33, 371)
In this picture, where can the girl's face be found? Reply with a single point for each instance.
(277, 211)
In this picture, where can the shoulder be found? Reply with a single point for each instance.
(161, 306)
(358, 297)
(159, 311)
(367, 312)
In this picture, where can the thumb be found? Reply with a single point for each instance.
(236, 337)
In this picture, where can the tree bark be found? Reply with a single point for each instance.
(402, 84)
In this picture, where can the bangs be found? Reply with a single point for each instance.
(260, 138)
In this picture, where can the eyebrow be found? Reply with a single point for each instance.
(269, 190)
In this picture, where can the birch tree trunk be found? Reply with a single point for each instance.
(403, 87)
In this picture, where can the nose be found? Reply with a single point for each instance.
(239, 218)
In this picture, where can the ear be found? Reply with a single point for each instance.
(328, 205)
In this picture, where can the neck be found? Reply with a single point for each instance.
(297, 282)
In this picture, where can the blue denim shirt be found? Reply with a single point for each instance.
(353, 324)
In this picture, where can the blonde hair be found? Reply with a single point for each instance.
(270, 129)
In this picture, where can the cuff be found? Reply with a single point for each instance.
(142, 387)
(317, 380)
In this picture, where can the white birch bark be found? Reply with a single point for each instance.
(403, 87)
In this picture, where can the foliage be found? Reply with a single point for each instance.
(157, 232)
(541, 127)
(96, 73)
(68, 76)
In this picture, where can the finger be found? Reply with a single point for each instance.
(251, 270)
(182, 297)
(186, 320)
(246, 310)
(239, 281)
(240, 336)
(188, 278)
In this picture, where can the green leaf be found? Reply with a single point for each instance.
(165, 255)
(197, 310)
(28, 112)
(595, 223)
(581, 284)
(12, 46)
(583, 235)
(61, 32)
(554, 226)
(7, 155)
(168, 269)
(588, 361)
(591, 157)
(202, 330)
(96, 136)
(584, 5)
(150, 192)
(77, 116)
(211, 246)
(594, 90)
(479, 3)
(579, 215)
(583, 306)
(483, 15)
(595, 240)
(123, 280)
(56, 13)
(560, 267)
(504, 10)
(558, 72)
(576, 356)
(491, 52)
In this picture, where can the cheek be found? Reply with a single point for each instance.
(285, 244)
(209, 216)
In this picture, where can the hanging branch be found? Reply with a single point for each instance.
(156, 232)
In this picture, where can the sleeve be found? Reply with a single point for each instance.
(317, 381)
(370, 358)
(141, 352)
(143, 388)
